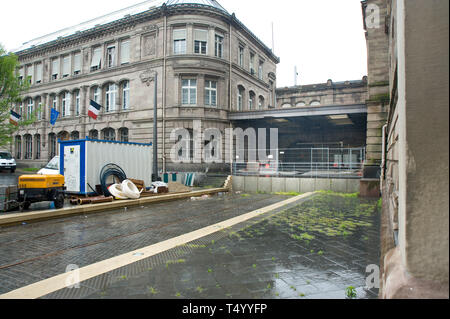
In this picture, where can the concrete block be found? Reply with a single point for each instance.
(307, 185)
(251, 184)
(293, 185)
(238, 183)
(265, 184)
(352, 185)
(278, 184)
(339, 185)
(323, 184)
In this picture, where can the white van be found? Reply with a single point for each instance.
(7, 162)
(52, 168)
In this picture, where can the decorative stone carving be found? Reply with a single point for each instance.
(149, 45)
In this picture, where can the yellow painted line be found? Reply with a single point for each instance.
(64, 280)
(17, 218)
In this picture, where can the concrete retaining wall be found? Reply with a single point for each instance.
(299, 185)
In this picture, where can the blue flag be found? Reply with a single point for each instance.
(54, 116)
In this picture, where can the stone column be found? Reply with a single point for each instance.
(378, 86)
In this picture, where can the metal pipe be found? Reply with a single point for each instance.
(383, 155)
(155, 129)
(164, 95)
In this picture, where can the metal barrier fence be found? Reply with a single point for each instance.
(306, 162)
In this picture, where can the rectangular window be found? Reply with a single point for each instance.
(252, 63)
(111, 56)
(29, 108)
(65, 105)
(260, 70)
(54, 101)
(96, 59)
(211, 93)
(77, 103)
(189, 92)
(126, 95)
(179, 41)
(96, 95)
(200, 41)
(66, 66)
(125, 52)
(240, 99)
(77, 63)
(30, 70)
(38, 147)
(38, 73)
(219, 46)
(39, 110)
(55, 69)
(21, 75)
(241, 56)
(111, 98)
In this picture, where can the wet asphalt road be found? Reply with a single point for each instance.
(314, 249)
(32, 252)
(7, 178)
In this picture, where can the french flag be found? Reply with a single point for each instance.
(94, 109)
(14, 118)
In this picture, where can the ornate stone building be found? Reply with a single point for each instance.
(207, 64)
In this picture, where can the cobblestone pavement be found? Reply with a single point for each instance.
(33, 252)
(310, 250)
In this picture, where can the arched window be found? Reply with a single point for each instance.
(286, 105)
(251, 100)
(315, 103)
(18, 144)
(123, 134)
(63, 136)
(96, 94)
(261, 103)
(28, 146)
(93, 134)
(300, 104)
(37, 143)
(240, 101)
(125, 95)
(52, 145)
(109, 134)
(75, 135)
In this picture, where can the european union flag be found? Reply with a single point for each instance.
(53, 116)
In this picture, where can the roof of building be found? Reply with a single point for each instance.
(323, 86)
(148, 5)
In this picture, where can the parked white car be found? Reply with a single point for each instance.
(52, 168)
(7, 162)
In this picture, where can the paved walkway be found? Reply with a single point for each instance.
(34, 252)
(314, 248)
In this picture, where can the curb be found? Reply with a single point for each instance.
(19, 218)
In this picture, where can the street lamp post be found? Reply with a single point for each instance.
(147, 77)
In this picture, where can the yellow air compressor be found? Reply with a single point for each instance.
(39, 188)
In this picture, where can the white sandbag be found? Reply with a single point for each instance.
(130, 190)
(117, 192)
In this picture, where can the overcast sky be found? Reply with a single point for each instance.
(323, 38)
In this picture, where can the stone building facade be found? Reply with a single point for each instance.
(206, 61)
(415, 157)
